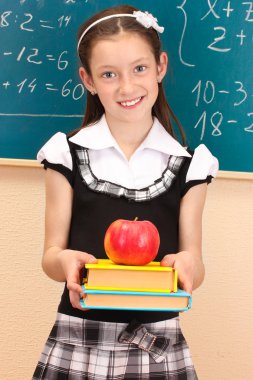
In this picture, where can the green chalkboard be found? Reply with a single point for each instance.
(209, 84)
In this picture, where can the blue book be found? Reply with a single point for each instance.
(130, 300)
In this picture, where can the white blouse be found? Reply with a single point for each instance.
(108, 162)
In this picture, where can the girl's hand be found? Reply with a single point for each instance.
(72, 263)
(184, 263)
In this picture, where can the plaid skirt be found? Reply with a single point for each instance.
(79, 349)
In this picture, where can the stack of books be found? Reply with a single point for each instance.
(150, 287)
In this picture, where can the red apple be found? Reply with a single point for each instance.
(131, 242)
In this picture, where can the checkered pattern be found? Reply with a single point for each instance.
(157, 346)
(79, 349)
(147, 193)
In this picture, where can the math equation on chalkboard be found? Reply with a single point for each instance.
(209, 84)
(47, 60)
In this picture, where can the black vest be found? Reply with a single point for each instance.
(94, 211)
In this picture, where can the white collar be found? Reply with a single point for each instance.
(98, 136)
(159, 139)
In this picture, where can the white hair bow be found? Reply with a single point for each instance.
(148, 20)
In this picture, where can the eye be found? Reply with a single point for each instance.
(108, 75)
(140, 68)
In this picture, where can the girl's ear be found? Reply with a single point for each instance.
(87, 80)
(162, 67)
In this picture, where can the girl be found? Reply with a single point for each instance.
(123, 162)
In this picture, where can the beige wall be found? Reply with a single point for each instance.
(218, 328)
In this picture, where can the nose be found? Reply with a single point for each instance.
(126, 85)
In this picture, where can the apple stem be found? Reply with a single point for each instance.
(136, 219)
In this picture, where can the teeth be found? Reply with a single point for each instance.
(130, 103)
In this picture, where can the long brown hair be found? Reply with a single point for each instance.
(94, 108)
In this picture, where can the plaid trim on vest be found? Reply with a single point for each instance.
(138, 195)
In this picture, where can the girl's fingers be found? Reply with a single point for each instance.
(185, 279)
(186, 285)
(74, 287)
(75, 259)
(86, 258)
(75, 300)
(75, 293)
(185, 275)
(168, 260)
(73, 264)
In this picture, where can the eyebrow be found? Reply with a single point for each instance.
(132, 63)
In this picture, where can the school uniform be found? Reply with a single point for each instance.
(118, 344)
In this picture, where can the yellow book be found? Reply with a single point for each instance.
(106, 275)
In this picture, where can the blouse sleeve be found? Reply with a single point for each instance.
(56, 155)
(202, 168)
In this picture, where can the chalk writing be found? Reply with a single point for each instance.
(68, 89)
(27, 21)
(209, 91)
(206, 92)
(34, 56)
(181, 7)
(216, 11)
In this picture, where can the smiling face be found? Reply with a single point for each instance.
(125, 76)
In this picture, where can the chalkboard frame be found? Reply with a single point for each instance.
(22, 163)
